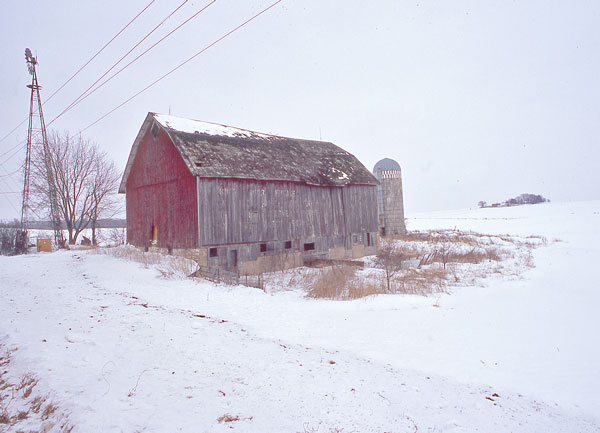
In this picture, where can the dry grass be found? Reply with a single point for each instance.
(36, 404)
(526, 259)
(27, 383)
(422, 281)
(169, 266)
(4, 416)
(431, 262)
(332, 282)
(228, 418)
(49, 410)
(19, 407)
(361, 288)
(344, 283)
(67, 428)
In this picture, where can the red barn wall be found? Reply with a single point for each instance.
(161, 192)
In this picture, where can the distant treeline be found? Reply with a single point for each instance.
(516, 201)
(108, 223)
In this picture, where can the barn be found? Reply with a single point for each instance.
(245, 201)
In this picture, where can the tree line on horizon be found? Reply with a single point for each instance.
(517, 201)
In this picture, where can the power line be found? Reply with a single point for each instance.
(13, 155)
(85, 94)
(8, 199)
(11, 149)
(80, 69)
(101, 49)
(5, 178)
(183, 63)
(13, 130)
(12, 172)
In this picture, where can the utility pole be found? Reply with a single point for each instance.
(34, 135)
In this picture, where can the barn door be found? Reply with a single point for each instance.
(233, 259)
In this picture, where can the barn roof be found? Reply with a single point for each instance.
(214, 150)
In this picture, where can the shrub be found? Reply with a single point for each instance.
(390, 258)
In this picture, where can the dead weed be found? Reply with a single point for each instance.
(228, 418)
(429, 262)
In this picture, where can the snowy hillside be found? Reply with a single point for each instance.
(114, 346)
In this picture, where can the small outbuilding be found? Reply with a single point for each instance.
(246, 201)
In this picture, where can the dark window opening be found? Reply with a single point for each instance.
(212, 252)
(253, 217)
(369, 240)
(309, 246)
(288, 245)
(263, 248)
(198, 164)
(233, 256)
(154, 130)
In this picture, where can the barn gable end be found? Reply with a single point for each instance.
(161, 195)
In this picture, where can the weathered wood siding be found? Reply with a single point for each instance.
(236, 211)
(161, 192)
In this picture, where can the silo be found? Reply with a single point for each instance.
(390, 202)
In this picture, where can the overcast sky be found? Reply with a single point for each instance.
(476, 100)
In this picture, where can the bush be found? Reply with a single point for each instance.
(7, 240)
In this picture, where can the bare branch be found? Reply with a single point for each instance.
(86, 182)
(390, 258)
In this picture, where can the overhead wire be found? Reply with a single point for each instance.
(5, 178)
(101, 49)
(9, 176)
(89, 91)
(82, 67)
(13, 130)
(12, 172)
(15, 153)
(8, 199)
(11, 149)
(182, 64)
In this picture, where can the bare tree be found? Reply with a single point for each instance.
(83, 178)
(105, 202)
(445, 249)
(390, 258)
(117, 236)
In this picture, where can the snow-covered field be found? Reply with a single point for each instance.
(117, 348)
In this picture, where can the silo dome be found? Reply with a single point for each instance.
(386, 164)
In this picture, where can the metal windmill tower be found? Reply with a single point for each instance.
(37, 136)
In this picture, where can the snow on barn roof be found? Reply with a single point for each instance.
(215, 150)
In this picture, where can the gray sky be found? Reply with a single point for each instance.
(477, 100)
